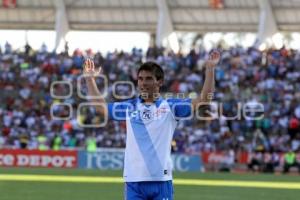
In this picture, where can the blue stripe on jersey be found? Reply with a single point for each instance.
(146, 147)
(181, 108)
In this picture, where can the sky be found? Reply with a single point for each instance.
(109, 41)
(103, 41)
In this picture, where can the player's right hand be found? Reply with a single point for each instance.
(89, 68)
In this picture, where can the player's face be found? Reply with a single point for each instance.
(148, 84)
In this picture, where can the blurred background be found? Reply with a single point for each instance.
(43, 42)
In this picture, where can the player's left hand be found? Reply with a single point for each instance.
(90, 69)
(213, 59)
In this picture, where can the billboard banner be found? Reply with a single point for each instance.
(101, 160)
(108, 159)
(224, 157)
(184, 163)
(37, 158)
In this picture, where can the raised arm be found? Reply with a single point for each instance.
(90, 73)
(208, 89)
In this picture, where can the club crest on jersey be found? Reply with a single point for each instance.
(147, 115)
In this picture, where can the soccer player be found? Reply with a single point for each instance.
(150, 121)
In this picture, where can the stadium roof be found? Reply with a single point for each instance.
(143, 15)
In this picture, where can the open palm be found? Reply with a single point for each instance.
(89, 68)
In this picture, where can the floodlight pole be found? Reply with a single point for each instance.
(61, 22)
(164, 25)
(267, 24)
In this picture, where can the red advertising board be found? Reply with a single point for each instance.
(37, 158)
(221, 157)
(9, 3)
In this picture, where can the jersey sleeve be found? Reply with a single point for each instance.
(117, 110)
(181, 108)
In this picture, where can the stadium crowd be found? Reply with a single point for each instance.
(270, 77)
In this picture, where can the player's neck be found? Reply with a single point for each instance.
(150, 99)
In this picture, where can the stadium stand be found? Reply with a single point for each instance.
(244, 75)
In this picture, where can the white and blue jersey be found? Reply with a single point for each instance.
(150, 130)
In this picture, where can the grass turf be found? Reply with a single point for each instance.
(27, 190)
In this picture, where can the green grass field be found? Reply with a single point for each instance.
(74, 184)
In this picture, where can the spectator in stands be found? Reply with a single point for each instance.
(228, 164)
(290, 161)
(271, 77)
(256, 161)
(270, 161)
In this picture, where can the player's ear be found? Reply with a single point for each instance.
(160, 82)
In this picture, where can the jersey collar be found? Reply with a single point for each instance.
(157, 101)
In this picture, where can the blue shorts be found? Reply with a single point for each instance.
(149, 190)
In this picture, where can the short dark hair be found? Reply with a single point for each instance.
(154, 68)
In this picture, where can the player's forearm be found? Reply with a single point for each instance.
(92, 87)
(206, 94)
(209, 85)
(94, 92)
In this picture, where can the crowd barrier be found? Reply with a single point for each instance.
(104, 159)
(112, 159)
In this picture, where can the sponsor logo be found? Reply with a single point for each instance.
(35, 158)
